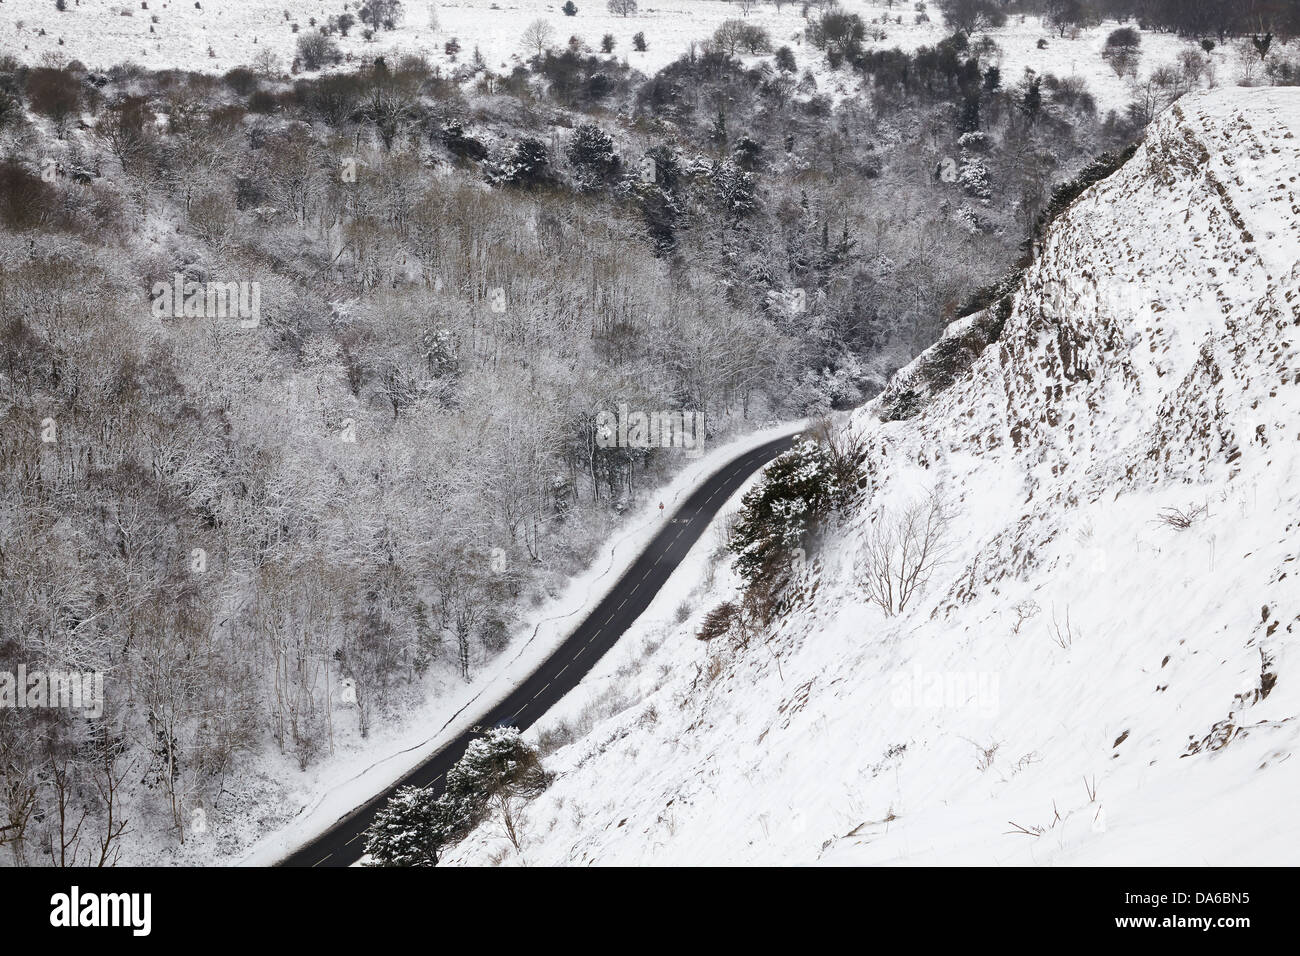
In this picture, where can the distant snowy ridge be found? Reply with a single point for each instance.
(1083, 681)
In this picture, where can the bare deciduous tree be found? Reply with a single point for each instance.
(64, 837)
(902, 552)
(509, 807)
(538, 35)
(108, 779)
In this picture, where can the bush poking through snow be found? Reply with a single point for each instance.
(719, 622)
(1181, 520)
(682, 613)
(316, 50)
(1024, 611)
(1062, 633)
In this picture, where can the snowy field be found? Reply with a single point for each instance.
(1082, 682)
(222, 34)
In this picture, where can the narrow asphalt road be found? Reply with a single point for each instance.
(343, 843)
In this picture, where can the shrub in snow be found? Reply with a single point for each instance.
(54, 93)
(820, 392)
(24, 196)
(316, 50)
(241, 80)
(653, 185)
(10, 109)
(719, 622)
(440, 354)
(497, 769)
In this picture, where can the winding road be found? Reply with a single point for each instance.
(343, 843)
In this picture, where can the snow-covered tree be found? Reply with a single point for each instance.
(800, 486)
(591, 153)
(974, 177)
(497, 770)
(529, 164)
(407, 831)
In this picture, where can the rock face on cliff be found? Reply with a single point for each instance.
(1104, 668)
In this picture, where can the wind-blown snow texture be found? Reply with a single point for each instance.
(1150, 362)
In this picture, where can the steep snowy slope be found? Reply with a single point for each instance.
(1081, 682)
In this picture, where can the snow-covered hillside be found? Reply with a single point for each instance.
(217, 35)
(1081, 682)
